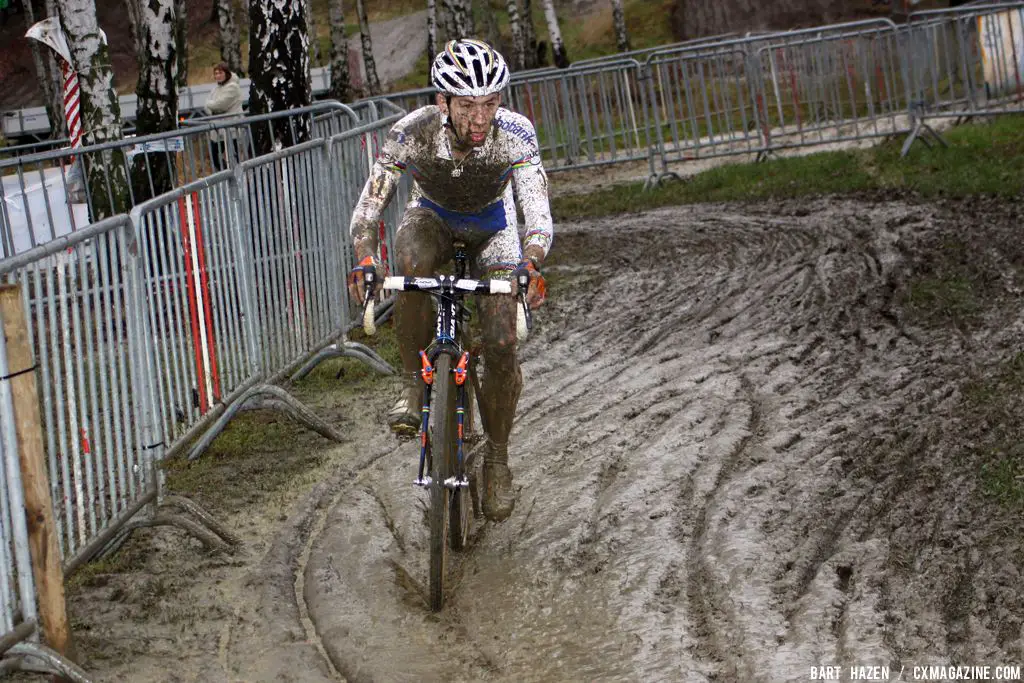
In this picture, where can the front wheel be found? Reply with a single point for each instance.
(442, 445)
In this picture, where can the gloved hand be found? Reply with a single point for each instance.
(536, 291)
(357, 279)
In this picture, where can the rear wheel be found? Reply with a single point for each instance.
(442, 446)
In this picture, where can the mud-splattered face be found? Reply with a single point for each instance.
(471, 117)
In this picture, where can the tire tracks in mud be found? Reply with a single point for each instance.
(699, 452)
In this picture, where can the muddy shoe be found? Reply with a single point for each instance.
(499, 498)
(404, 416)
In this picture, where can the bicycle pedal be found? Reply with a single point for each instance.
(424, 482)
(456, 482)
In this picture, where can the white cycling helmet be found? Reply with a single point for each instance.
(469, 67)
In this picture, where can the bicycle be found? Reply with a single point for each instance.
(448, 375)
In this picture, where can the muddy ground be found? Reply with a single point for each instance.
(753, 439)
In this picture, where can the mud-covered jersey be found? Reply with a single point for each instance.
(473, 187)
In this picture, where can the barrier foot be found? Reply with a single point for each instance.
(346, 349)
(922, 131)
(199, 512)
(210, 539)
(265, 396)
(654, 180)
(41, 658)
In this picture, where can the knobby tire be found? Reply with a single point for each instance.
(442, 440)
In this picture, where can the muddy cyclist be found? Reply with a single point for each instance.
(469, 159)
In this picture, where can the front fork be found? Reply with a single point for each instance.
(427, 375)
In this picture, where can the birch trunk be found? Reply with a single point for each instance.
(230, 42)
(278, 71)
(619, 20)
(341, 82)
(529, 36)
(314, 39)
(460, 21)
(133, 10)
(516, 29)
(50, 81)
(180, 37)
(157, 95)
(100, 109)
(372, 81)
(557, 46)
(431, 31)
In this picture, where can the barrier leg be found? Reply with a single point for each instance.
(265, 396)
(43, 658)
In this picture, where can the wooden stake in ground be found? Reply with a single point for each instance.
(42, 534)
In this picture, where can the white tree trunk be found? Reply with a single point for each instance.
(431, 31)
(230, 42)
(279, 70)
(557, 46)
(180, 37)
(341, 80)
(157, 94)
(460, 20)
(372, 80)
(100, 109)
(516, 29)
(619, 20)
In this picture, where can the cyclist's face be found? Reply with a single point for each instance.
(472, 117)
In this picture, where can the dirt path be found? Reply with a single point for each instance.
(754, 439)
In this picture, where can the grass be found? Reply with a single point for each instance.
(261, 453)
(985, 158)
(995, 399)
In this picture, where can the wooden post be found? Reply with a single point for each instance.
(46, 562)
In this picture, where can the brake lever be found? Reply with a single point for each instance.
(370, 285)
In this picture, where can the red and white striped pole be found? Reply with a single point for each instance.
(48, 32)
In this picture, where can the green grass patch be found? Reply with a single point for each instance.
(983, 158)
(260, 453)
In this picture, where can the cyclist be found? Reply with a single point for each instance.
(469, 158)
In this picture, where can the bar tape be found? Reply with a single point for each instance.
(20, 372)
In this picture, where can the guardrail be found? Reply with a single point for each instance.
(49, 194)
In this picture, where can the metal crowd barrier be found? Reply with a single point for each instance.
(46, 195)
(244, 282)
(96, 405)
(19, 616)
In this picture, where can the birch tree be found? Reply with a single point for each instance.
(180, 36)
(230, 41)
(100, 109)
(431, 30)
(557, 46)
(516, 29)
(372, 81)
(278, 70)
(341, 82)
(619, 20)
(47, 72)
(157, 94)
(461, 18)
(491, 24)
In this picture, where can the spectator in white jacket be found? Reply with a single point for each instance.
(226, 98)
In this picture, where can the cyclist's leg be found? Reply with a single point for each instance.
(502, 379)
(422, 245)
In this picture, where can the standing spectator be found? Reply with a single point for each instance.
(226, 98)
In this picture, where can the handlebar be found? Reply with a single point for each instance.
(436, 284)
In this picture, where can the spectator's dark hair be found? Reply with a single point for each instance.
(223, 66)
